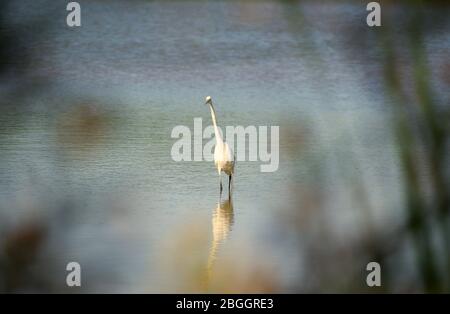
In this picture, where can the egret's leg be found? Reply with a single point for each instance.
(229, 184)
(220, 182)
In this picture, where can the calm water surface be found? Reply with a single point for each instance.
(147, 67)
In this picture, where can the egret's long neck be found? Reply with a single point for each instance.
(216, 129)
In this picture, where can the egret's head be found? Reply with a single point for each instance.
(208, 100)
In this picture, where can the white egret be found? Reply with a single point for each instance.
(223, 154)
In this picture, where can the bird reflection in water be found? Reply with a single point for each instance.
(222, 221)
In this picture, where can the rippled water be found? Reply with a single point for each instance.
(143, 67)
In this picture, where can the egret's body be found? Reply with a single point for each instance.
(223, 154)
(223, 158)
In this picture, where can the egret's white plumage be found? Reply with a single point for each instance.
(223, 154)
